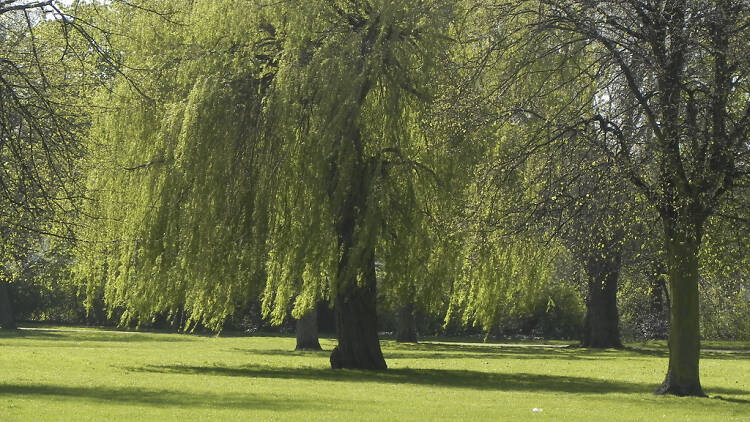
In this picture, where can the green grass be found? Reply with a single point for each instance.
(104, 375)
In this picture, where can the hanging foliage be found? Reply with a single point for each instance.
(174, 170)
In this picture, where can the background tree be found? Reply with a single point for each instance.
(644, 296)
(522, 185)
(47, 59)
(725, 265)
(681, 63)
(306, 330)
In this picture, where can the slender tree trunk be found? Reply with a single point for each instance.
(602, 323)
(407, 324)
(683, 377)
(658, 317)
(7, 320)
(307, 331)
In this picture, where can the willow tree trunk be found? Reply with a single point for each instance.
(683, 378)
(307, 331)
(602, 323)
(7, 320)
(356, 288)
(406, 332)
(357, 325)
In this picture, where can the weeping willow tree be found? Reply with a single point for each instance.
(352, 83)
(273, 150)
(500, 278)
(178, 219)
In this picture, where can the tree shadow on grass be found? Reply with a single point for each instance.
(480, 352)
(520, 351)
(92, 336)
(501, 353)
(731, 399)
(433, 351)
(432, 377)
(129, 396)
(728, 354)
(451, 351)
(281, 352)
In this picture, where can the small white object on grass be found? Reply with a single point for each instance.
(537, 410)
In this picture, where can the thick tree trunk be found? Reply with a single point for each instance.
(307, 331)
(356, 324)
(602, 323)
(356, 286)
(407, 324)
(7, 320)
(684, 332)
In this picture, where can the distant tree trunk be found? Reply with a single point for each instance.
(407, 324)
(7, 320)
(307, 331)
(657, 321)
(683, 378)
(601, 326)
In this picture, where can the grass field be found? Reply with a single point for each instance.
(104, 376)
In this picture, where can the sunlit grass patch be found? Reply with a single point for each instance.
(105, 375)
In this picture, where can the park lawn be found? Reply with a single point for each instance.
(104, 375)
